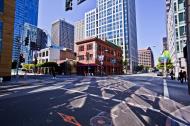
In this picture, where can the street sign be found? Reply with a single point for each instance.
(163, 59)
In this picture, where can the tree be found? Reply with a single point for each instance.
(167, 57)
(139, 68)
(28, 66)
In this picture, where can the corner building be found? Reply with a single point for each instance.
(116, 22)
(7, 11)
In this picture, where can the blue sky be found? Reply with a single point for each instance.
(151, 27)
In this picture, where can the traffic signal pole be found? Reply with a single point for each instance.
(188, 41)
(19, 48)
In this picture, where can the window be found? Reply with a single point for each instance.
(181, 31)
(46, 53)
(81, 48)
(181, 17)
(175, 8)
(43, 54)
(177, 33)
(177, 44)
(91, 57)
(1, 34)
(81, 57)
(1, 5)
(89, 47)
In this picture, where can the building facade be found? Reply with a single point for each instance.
(79, 31)
(26, 11)
(145, 57)
(7, 14)
(51, 54)
(42, 39)
(98, 57)
(63, 34)
(165, 44)
(176, 34)
(27, 49)
(115, 21)
(91, 23)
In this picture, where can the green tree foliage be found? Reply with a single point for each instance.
(139, 68)
(28, 66)
(169, 64)
(49, 64)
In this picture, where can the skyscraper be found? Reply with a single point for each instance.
(146, 57)
(176, 33)
(26, 11)
(115, 21)
(91, 23)
(63, 34)
(79, 32)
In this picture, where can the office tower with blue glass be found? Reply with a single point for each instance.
(115, 21)
(26, 11)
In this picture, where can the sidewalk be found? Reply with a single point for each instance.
(31, 80)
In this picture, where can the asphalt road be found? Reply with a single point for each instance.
(138, 100)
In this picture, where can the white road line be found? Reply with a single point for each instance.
(166, 92)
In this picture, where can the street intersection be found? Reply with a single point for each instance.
(136, 100)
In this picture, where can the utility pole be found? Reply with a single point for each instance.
(188, 40)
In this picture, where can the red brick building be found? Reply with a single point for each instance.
(89, 53)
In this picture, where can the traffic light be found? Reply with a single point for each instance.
(26, 41)
(80, 1)
(21, 58)
(68, 5)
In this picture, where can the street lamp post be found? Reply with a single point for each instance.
(105, 61)
(87, 56)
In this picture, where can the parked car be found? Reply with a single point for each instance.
(159, 73)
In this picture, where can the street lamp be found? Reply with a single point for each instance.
(87, 56)
(105, 61)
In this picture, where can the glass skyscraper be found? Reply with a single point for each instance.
(116, 22)
(26, 11)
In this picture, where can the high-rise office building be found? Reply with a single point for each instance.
(115, 21)
(176, 35)
(91, 23)
(62, 34)
(79, 32)
(145, 57)
(27, 49)
(26, 11)
(7, 12)
(42, 39)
